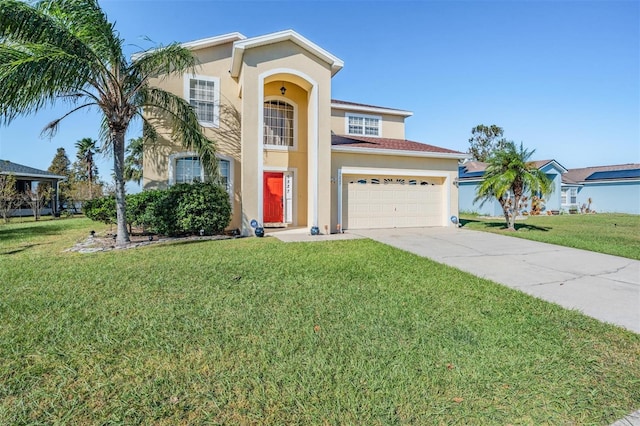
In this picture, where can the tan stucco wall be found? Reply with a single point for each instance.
(215, 62)
(282, 57)
(446, 167)
(392, 125)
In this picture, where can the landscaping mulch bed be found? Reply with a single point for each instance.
(107, 242)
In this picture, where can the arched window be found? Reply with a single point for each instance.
(278, 123)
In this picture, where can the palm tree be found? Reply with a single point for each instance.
(508, 177)
(67, 49)
(133, 160)
(87, 148)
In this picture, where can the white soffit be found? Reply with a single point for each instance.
(371, 109)
(213, 41)
(288, 35)
(202, 43)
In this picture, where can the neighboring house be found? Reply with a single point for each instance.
(29, 178)
(471, 174)
(602, 189)
(290, 155)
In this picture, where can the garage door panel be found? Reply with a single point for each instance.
(387, 202)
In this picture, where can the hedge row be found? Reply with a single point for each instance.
(180, 209)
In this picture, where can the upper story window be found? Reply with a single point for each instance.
(279, 123)
(363, 125)
(203, 94)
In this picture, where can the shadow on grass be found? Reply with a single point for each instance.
(485, 224)
(170, 243)
(8, 234)
(19, 249)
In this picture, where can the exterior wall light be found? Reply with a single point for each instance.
(283, 89)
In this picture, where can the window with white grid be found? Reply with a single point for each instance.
(278, 123)
(363, 125)
(203, 94)
(188, 170)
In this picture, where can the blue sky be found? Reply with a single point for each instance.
(561, 77)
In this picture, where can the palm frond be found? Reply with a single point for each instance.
(88, 24)
(33, 76)
(51, 128)
(180, 117)
(149, 132)
(164, 61)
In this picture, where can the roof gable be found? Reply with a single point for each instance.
(240, 46)
(202, 43)
(213, 41)
(546, 165)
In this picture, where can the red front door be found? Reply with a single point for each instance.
(272, 196)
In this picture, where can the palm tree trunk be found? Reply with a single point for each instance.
(122, 237)
(514, 215)
(505, 210)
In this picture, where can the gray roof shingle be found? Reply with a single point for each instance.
(7, 167)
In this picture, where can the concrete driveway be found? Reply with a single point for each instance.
(604, 287)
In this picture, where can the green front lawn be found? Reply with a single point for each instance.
(255, 331)
(616, 234)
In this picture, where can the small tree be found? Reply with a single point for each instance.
(9, 197)
(60, 165)
(508, 177)
(485, 140)
(36, 198)
(85, 168)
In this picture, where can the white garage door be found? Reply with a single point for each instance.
(392, 202)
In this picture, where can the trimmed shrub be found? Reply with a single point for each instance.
(181, 209)
(203, 206)
(101, 209)
(139, 211)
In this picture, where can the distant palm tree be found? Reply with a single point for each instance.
(508, 177)
(133, 161)
(87, 148)
(52, 49)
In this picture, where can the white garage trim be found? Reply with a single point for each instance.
(446, 213)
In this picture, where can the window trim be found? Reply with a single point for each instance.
(295, 124)
(570, 193)
(216, 96)
(348, 115)
(172, 165)
(231, 175)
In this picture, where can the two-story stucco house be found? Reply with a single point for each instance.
(293, 156)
